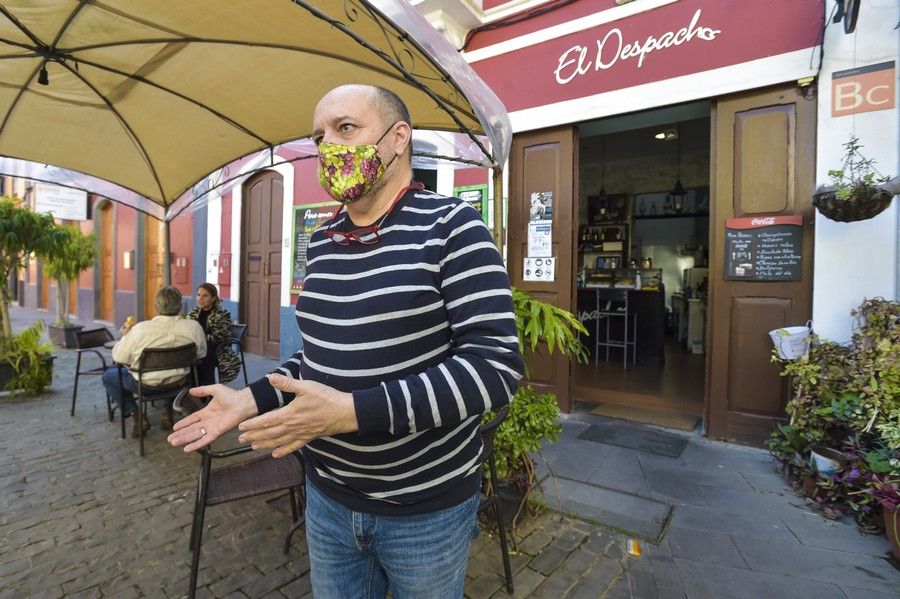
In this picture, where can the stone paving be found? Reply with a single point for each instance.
(81, 515)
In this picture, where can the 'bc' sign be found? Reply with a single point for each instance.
(863, 89)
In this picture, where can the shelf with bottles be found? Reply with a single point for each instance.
(610, 238)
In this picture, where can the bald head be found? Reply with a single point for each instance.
(386, 106)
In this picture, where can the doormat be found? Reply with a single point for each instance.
(630, 436)
(683, 422)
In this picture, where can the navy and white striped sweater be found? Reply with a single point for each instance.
(420, 328)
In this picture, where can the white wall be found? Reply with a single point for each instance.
(856, 260)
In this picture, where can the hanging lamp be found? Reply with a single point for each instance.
(678, 192)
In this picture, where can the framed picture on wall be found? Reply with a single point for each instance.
(476, 195)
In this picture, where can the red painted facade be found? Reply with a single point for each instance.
(699, 35)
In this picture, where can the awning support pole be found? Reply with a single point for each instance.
(167, 256)
(498, 208)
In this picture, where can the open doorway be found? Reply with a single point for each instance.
(642, 258)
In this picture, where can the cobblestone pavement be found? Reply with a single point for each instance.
(81, 515)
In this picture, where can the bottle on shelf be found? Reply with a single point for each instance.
(637, 281)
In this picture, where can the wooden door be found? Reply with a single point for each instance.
(107, 243)
(261, 263)
(763, 159)
(544, 162)
(153, 264)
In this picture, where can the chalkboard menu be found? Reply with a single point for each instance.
(307, 219)
(764, 248)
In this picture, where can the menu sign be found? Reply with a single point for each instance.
(307, 218)
(764, 248)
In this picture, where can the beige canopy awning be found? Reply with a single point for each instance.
(140, 100)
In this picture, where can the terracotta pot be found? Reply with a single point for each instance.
(892, 528)
(810, 489)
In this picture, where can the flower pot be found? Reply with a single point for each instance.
(510, 501)
(862, 205)
(892, 527)
(7, 373)
(809, 485)
(826, 461)
(791, 342)
(63, 336)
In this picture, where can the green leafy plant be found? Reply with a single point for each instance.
(22, 232)
(847, 398)
(857, 177)
(538, 321)
(532, 421)
(532, 418)
(28, 357)
(73, 253)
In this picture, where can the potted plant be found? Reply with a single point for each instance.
(74, 253)
(843, 440)
(26, 363)
(532, 419)
(22, 233)
(886, 491)
(857, 191)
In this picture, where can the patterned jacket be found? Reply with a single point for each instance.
(218, 332)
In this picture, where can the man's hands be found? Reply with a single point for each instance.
(226, 410)
(316, 411)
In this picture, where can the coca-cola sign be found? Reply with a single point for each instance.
(606, 53)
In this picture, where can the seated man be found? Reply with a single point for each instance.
(166, 330)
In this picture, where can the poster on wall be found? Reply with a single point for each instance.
(541, 206)
(540, 239)
(540, 270)
(764, 248)
(476, 195)
(62, 202)
(307, 218)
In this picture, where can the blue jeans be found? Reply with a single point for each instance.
(117, 393)
(128, 390)
(359, 555)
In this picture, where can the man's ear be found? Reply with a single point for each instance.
(402, 137)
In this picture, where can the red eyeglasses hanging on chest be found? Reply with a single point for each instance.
(366, 235)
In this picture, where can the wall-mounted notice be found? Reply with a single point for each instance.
(541, 207)
(539, 269)
(62, 202)
(764, 248)
(307, 218)
(540, 239)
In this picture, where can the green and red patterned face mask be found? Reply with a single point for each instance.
(349, 172)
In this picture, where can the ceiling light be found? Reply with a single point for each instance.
(667, 135)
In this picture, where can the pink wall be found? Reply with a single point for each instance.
(126, 240)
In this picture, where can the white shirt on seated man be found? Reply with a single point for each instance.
(167, 330)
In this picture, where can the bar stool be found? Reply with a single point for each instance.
(615, 305)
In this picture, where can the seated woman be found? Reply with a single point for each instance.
(216, 323)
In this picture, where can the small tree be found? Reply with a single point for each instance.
(22, 232)
(73, 252)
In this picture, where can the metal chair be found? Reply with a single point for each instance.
(154, 359)
(237, 339)
(615, 306)
(493, 501)
(92, 341)
(240, 480)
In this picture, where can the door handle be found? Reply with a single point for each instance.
(266, 269)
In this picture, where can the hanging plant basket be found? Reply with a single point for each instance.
(863, 203)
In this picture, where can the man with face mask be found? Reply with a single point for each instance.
(409, 337)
